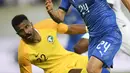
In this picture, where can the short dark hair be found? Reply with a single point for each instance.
(18, 19)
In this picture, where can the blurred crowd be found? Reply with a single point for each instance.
(21, 2)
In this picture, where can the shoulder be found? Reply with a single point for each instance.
(47, 23)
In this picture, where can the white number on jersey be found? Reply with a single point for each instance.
(83, 8)
(104, 45)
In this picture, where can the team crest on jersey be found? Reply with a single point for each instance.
(50, 39)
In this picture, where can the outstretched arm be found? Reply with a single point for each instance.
(77, 29)
(72, 29)
(127, 4)
(56, 15)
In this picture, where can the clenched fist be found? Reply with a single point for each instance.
(49, 5)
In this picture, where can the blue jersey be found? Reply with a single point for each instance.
(73, 17)
(97, 14)
(104, 35)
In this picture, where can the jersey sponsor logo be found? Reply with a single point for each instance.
(103, 47)
(50, 39)
(41, 57)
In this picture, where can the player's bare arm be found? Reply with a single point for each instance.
(56, 15)
(76, 29)
(72, 28)
(81, 46)
(127, 4)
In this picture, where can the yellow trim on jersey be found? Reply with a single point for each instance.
(62, 28)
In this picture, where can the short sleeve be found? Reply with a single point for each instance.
(64, 5)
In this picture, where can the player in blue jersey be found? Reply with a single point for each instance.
(104, 35)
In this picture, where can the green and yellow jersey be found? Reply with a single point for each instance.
(49, 54)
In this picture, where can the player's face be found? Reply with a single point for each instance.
(25, 30)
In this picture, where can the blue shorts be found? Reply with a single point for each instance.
(105, 46)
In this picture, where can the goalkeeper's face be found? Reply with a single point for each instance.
(25, 30)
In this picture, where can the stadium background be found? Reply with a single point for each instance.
(35, 10)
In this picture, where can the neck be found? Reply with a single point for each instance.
(37, 38)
